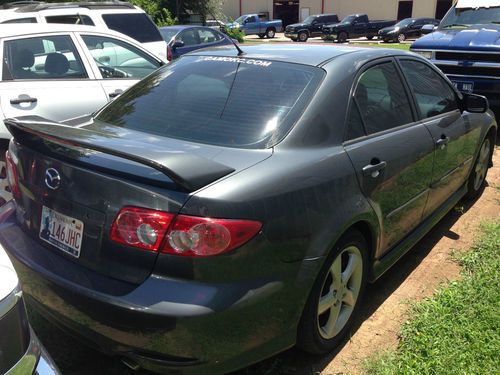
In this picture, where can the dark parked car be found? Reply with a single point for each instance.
(182, 39)
(354, 26)
(230, 205)
(311, 27)
(407, 28)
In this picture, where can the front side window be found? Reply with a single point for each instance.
(223, 101)
(117, 59)
(189, 37)
(433, 95)
(381, 100)
(47, 57)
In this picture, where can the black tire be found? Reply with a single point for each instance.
(303, 36)
(387, 40)
(270, 33)
(401, 37)
(477, 178)
(342, 37)
(309, 337)
(369, 37)
(262, 36)
(294, 39)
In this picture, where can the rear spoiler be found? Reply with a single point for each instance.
(188, 171)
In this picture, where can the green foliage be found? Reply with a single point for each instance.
(237, 34)
(160, 15)
(165, 18)
(458, 330)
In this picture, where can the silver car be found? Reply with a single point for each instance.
(62, 72)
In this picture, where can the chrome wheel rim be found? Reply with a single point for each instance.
(5, 194)
(401, 38)
(340, 292)
(303, 37)
(482, 164)
(270, 34)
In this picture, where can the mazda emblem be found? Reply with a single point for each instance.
(52, 178)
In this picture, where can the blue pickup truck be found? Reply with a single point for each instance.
(466, 47)
(254, 24)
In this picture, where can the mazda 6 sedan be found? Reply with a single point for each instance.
(236, 203)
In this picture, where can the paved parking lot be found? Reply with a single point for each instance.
(280, 37)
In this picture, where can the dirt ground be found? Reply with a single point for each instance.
(415, 276)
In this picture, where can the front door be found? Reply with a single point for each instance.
(391, 152)
(455, 139)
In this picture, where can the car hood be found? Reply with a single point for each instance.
(337, 24)
(476, 37)
(388, 29)
(297, 25)
(8, 277)
(232, 25)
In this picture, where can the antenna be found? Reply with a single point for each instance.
(240, 51)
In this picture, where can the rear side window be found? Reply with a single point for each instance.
(225, 101)
(433, 95)
(72, 19)
(380, 100)
(136, 25)
(48, 57)
(22, 20)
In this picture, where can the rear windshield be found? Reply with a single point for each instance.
(136, 25)
(224, 101)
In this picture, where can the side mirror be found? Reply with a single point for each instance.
(474, 103)
(177, 44)
(427, 29)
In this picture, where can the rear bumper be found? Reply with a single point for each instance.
(164, 325)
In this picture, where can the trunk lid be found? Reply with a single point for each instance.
(100, 170)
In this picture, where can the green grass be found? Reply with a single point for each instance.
(457, 331)
(404, 46)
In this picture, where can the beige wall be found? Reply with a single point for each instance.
(376, 9)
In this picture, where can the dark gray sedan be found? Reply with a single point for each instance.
(232, 205)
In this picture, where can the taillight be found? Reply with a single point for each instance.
(201, 236)
(12, 177)
(169, 53)
(140, 227)
(183, 235)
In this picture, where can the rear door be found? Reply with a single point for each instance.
(390, 151)
(119, 64)
(454, 134)
(48, 76)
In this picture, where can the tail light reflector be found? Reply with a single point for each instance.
(201, 236)
(169, 53)
(180, 235)
(140, 227)
(12, 176)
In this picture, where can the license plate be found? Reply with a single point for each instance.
(465, 86)
(61, 231)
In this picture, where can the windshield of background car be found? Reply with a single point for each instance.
(240, 19)
(404, 22)
(309, 20)
(168, 34)
(226, 101)
(135, 25)
(467, 16)
(348, 19)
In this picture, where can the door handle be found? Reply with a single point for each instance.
(373, 169)
(116, 93)
(443, 141)
(23, 100)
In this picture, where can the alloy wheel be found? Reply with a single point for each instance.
(340, 292)
(401, 38)
(481, 166)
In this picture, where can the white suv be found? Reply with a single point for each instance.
(119, 16)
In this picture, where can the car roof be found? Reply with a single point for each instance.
(36, 6)
(179, 27)
(312, 54)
